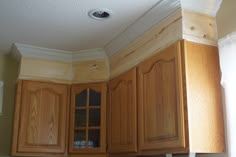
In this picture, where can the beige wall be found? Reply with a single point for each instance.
(8, 73)
(226, 21)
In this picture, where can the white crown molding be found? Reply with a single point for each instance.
(155, 15)
(91, 54)
(43, 53)
(15, 53)
(209, 7)
(22, 50)
(227, 40)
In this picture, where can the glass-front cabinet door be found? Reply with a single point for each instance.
(88, 118)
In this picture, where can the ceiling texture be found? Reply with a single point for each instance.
(65, 24)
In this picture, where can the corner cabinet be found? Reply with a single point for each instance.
(161, 102)
(179, 101)
(41, 116)
(122, 111)
(88, 118)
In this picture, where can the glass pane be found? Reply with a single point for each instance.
(80, 139)
(80, 118)
(94, 98)
(94, 117)
(94, 138)
(80, 99)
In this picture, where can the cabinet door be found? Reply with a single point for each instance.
(160, 98)
(88, 118)
(123, 113)
(43, 118)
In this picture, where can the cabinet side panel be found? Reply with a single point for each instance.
(206, 128)
(16, 118)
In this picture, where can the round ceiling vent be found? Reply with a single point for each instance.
(99, 14)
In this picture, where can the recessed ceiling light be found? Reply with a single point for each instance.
(99, 14)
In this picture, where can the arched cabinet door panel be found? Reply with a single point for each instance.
(42, 119)
(160, 97)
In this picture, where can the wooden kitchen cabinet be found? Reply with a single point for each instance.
(88, 118)
(172, 105)
(41, 115)
(179, 101)
(161, 102)
(122, 106)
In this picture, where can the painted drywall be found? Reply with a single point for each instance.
(8, 73)
(227, 49)
(226, 22)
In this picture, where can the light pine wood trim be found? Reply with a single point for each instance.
(199, 28)
(192, 26)
(205, 113)
(90, 71)
(159, 37)
(47, 70)
(184, 24)
(64, 72)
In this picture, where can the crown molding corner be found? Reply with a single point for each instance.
(43, 53)
(22, 50)
(227, 40)
(15, 54)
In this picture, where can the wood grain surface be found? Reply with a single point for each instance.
(41, 117)
(123, 113)
(206, 126)
(161, 105)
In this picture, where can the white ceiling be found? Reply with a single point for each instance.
(65, 25)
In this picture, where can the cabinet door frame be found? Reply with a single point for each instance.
(175, 145)
(76, 88)
(23, 149)
(126, 78)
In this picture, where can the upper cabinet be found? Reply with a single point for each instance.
(179, 101)
(170, 103)
(123, 113)
(40, 125)
(161, 105)
(88, 118)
